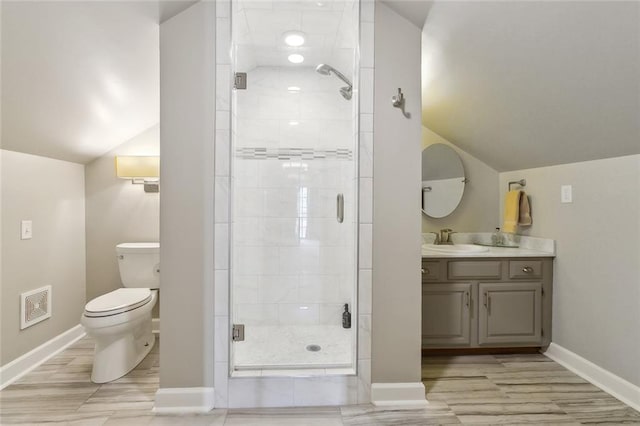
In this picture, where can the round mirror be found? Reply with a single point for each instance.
(442, 180)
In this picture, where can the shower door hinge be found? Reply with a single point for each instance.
(237, 334)
(240, 81)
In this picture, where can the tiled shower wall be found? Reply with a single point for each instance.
(294, 152)
(291, 391)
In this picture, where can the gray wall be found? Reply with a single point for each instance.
(596, 311)
(187, 108)
(51, 194)
(396, 202)
(478, 210)
(117, 212)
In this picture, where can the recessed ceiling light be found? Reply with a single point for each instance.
(296, 58)
(293, 123)
(293, 89)
(294, 38)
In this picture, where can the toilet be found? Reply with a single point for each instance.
(120, 321)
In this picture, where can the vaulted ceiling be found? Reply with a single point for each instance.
(516, 84)
(528, 84)
(79, 78)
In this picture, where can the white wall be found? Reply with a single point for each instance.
(187, 109)
(596, 311)
(117, 212)
(396, 319)
(478, 210)
(51, 194)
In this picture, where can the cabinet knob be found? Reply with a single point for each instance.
(425, 271)
(527, 269)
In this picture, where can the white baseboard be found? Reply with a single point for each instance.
(184, 400)
(607, 381)
(17, 368)
(155, 325)
(407, 395)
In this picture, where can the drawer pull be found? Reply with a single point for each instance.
(426, 271)
(468, 298)
(527, 269)
(485, 299)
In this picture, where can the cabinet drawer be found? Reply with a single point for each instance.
(525, 269)
(430, 271)
(475, 269)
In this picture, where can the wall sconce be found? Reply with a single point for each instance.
(141, 170)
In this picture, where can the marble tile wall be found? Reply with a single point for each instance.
(222, 201)
(290, 391)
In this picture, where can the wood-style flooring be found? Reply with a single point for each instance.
(484, 389)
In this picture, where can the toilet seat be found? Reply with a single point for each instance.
(117, 302)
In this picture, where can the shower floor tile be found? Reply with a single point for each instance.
(276, 347)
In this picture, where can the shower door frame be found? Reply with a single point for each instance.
(294, 390)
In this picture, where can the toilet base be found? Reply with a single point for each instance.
(116, 355)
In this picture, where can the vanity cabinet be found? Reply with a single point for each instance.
(491, 302)
(445, 314)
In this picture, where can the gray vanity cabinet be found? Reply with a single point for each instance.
(446, 319)
(490, 302)
(510, 313)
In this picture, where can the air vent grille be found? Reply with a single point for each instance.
(35, 306)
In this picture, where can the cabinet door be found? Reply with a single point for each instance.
(445, 314)
(510, 313)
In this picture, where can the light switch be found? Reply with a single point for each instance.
(566, 194)
(26, 230)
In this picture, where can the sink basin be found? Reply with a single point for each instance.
(455, 248)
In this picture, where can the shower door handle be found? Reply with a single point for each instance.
(340, 208)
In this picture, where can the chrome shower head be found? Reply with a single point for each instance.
(325, 69)
(346, 92)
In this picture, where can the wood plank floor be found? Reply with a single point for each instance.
(481, 389)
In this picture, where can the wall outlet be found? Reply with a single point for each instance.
(26, 230)
(566, 194)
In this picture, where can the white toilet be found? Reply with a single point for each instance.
(120, 321)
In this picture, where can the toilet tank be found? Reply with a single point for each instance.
(139, 264)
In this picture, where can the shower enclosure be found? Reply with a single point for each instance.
(294, 180)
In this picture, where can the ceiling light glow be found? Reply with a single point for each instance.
(294, 38)
(296, 58)
(293, 89)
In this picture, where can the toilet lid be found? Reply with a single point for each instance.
(117, 301)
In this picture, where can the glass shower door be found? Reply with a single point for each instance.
(293, 185)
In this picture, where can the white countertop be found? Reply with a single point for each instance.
(527, 246)
(492, 252)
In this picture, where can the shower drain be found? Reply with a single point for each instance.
(313, 348)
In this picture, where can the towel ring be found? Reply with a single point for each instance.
(520, 182)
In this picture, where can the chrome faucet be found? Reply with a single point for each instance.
(445, 236)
